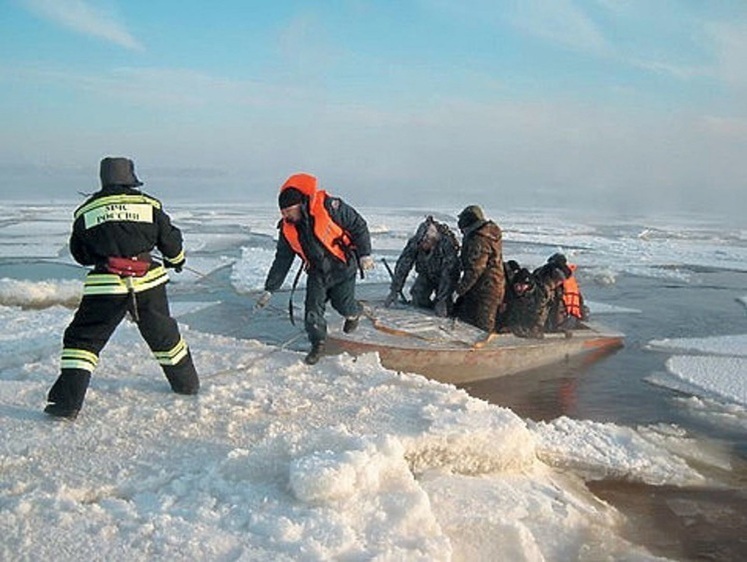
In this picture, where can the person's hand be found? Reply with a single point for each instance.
(390, 298)
(367, 263)
(441, 309)
(263, 299)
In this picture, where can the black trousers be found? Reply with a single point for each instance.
(93, 324)
(341, 296)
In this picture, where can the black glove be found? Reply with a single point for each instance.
(175, 266)
(441, 309)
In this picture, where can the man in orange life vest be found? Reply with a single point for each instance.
(567, 306)
(333, 241)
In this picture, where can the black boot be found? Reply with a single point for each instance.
(350, 324)
(60, 411)
(317, 349)
(183, 376)
(67, 393)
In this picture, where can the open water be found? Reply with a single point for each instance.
(707, 524)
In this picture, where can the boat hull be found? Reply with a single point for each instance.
(456, 353)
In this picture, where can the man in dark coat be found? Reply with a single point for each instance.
(566, 306)
(434, 251)
(527, 305)
(115, 231)
(334, 243)
(482, 284)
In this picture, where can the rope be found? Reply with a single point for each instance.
(261, 356)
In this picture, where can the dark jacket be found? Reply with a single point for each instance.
(550, 276)
(321, 262)
(121, 221)
(527, 305)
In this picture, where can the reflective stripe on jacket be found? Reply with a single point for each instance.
(120, 221)
(112, 284)
(121, 206)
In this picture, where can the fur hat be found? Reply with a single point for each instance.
(118, 171)
(523, 282)
(469, 216)
(290, 196)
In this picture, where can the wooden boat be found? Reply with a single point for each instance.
(447, 350)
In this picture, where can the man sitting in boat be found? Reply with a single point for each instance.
(510, 269)
(482, 284)
(434, 252)
(527, 305)
(566, 308)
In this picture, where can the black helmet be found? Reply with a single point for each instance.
(469, 216)
(118, 171)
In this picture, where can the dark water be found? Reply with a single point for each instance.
(613, 389)
(682, 524)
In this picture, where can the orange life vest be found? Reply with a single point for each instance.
(327, 232)
(572, 295)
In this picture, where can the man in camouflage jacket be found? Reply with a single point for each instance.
(434, 251)
(482, 284)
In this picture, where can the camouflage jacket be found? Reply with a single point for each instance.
(527, 314)
(440, 265)
(482, 260)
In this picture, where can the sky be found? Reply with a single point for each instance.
(622, 104)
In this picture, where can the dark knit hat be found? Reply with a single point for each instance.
(469, 216)
(118, 171)
(558, 259)
(290, 196)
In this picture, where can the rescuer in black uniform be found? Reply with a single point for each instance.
(115, 231)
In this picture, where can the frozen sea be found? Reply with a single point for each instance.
(638, 456)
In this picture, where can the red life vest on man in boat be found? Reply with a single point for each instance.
(572, 295)
(327, 231)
